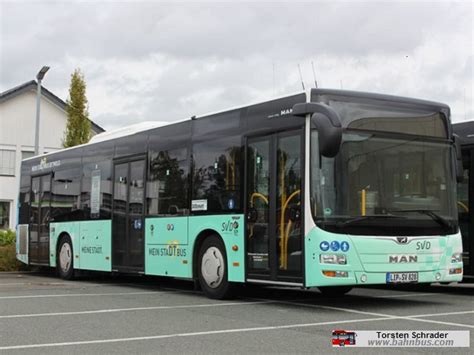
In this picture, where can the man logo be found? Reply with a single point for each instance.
(402, 240)
(400, 259)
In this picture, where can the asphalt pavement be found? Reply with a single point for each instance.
(40, 313)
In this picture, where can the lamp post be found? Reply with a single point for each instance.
(39, 77)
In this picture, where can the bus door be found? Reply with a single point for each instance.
(128, 215)
(274, 174)
(39, 219)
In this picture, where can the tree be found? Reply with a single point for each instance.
(78, 128)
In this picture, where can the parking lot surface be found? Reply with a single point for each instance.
(40, 313)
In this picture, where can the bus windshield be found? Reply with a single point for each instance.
(381, 184)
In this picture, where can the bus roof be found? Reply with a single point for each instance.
(150, 125)
(315, 94)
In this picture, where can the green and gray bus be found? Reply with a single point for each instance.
(324, 188)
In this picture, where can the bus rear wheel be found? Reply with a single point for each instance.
(65, 259)
(334, 291)
(212, 268)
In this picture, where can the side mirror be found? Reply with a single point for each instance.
(458, 160)
(329, 134)
(327, 123)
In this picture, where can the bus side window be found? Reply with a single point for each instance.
(65, 194)
(102, 169)
(216, 175)
(167, 183)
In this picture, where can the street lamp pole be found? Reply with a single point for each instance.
(39, 77)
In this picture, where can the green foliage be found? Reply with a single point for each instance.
(8, 261)
(7, 237)
(78, 129)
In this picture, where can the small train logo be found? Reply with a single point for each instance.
(170, 227)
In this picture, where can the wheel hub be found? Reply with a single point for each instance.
(212, 267)
(65, 257)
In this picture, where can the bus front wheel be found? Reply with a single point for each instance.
(212, 268)
(334, 291)
(65, 259)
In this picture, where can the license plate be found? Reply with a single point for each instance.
(402, 277)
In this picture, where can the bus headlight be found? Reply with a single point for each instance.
(332, 259)
(456, 258)
(455, 271)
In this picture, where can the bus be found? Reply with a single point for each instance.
(465, 131)
(343, 338)
(324, 188)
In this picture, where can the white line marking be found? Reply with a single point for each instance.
(414, 317)
(81, 295)
(114, 310)
(347, 310)
(403, 295)
(418, 317)
(438, 322)
(441, 314)
(36, 283)
(72, 283)
(210, 332)
(32, 283)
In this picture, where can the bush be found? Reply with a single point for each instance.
(7, 237)
(8, 261)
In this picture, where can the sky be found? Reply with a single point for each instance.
(162, 61)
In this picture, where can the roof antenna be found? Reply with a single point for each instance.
(273, 65)
(301, 77)
(314, 76)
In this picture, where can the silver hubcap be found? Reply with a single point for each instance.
(65, 257)
(212, 267)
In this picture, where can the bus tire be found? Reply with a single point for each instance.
(65, 259)
(334, 291)
(212, 269)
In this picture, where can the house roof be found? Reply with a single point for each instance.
(32, 85)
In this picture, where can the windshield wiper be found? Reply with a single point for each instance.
(366, 218)
(431, 213)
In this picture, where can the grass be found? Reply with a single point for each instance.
(8, 261)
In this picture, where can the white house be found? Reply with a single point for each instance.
(17, 138)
